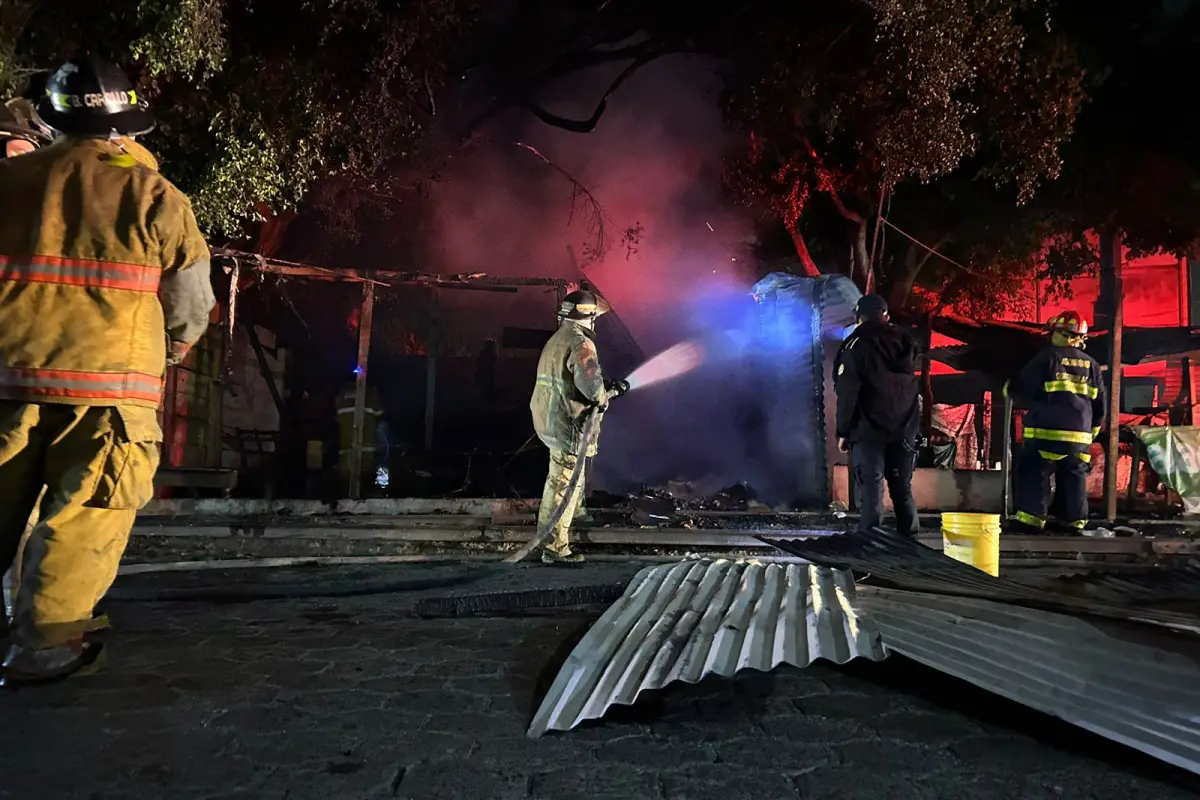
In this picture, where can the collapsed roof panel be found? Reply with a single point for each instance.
(685, 621)
(1134, 684)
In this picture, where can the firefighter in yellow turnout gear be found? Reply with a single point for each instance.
(1063, 389)
(570, 385)
(21, 132)
(104, 281)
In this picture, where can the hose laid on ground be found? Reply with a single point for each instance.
(248, 594)
(544, 533)
(432, 608)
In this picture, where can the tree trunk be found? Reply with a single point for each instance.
(806, 260)
(900, 285)
(861, 260)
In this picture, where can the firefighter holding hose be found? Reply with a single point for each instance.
(1063, 389)
(104, 281)
(570, 388)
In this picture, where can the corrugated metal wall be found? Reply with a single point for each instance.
(807, 316)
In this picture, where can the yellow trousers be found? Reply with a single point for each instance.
(97, 465)
(562, 467)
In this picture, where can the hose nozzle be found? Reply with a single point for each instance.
(616, 388)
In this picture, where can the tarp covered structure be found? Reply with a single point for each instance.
(808, 318)
(1174, 452)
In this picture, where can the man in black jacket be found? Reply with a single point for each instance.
(879, 413)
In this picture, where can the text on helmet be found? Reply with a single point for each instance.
(93, 99)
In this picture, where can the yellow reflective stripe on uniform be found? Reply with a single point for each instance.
(1079, 524)
(1004, 389)
(1051, 456)
(1074, 387)
(1095, 432)
(366, 410)
(1029, 519)
(554, 382)
(1085, 457)
(1050, 435)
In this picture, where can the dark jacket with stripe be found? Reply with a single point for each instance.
(1063, 389)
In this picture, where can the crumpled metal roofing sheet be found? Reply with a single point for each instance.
(685, 621)
(1131, 683)
(1130, 587)
(900, 563)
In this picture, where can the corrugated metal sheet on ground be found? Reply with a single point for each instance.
(1135, 684)
(1153, 585)
(884, 558)
(685, 621)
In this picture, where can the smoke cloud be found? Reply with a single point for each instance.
(654, 161)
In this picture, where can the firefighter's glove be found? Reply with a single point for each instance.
(176, 353)
(616, 388)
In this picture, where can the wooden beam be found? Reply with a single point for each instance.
(264, 367)
(477, 282)
(360, 388)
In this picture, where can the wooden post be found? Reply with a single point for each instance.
(927, 380)
(1185, 368)
(360, 388)
(431, 371)
(1111, 259)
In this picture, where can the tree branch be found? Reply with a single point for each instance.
(589, 125)
(825, 180)
(593, 212)
(806, 259)
(524, 88)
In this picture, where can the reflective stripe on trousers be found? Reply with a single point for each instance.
(98, 473)
(1035, 464)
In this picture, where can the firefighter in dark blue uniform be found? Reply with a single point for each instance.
(1063, 390)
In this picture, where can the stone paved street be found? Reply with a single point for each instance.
(354, 698)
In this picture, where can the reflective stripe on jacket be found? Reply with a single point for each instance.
(101, 263)
(1063, 389)
(569, 382)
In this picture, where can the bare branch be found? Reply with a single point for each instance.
(589, 125)
(593, 213)
(525, 87)
(432, 109)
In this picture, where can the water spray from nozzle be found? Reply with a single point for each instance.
(671, 363)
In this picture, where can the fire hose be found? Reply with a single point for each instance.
(544, 532)
(357, 589)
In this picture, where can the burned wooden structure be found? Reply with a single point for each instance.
(227, 407)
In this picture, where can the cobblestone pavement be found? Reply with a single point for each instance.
(354, 699)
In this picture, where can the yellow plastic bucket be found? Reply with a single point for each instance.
(973, 539)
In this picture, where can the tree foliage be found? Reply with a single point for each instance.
(844, 114)
(257, 100)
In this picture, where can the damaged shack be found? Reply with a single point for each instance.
(254, 412)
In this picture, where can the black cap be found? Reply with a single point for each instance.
(92, 98)
(870, 305)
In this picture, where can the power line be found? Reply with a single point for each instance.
(919, 243)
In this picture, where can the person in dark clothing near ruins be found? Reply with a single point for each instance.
(879, 413)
